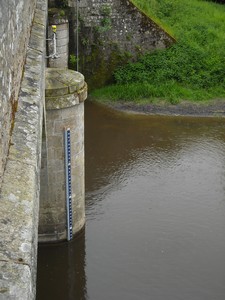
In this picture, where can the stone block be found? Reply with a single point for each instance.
(76, 135)
(82, 94)
(63, 27)
(54, 142)
(60, 62)
(54, 89)
(59, 154)
(69, 113)
(36, 42)
(54, 165)
(15, 281)
(54, 114)
(63, 101)
(79, 146)
(62, 42)
(63, 50)
(62, 33)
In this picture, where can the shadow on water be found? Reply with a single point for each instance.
(62, 269)
(155, 210)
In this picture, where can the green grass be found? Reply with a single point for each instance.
(192, 69)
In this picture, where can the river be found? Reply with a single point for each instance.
(155, 213)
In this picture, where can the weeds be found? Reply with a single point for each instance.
(191, 69)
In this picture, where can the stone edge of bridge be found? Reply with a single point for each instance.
(19, 198)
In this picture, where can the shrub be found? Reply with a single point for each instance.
(196, 60)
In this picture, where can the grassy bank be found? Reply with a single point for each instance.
(192, 69)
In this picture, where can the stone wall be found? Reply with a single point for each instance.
(15, 24)
(19, 197)
(111, 32)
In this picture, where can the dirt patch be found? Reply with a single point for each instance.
(215, 108)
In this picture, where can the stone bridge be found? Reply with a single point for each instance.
(42, 124)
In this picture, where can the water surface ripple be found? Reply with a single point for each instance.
(155, 209)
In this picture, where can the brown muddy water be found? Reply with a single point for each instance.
(155, 210)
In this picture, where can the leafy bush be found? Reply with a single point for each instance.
(73, 61)
(182, 63)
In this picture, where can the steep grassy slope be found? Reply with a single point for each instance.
(192, 69)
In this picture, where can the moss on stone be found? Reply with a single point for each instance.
(97, 66)
(57, 15)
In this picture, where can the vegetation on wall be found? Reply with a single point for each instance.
(106, 22)
(72, 61)
(98, 55)
(61, 3)
(191, 69)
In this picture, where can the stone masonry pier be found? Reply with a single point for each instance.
(65, 92)
(19, 198)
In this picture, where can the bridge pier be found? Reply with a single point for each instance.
(65, 93)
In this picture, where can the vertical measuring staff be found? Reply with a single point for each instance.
(68, 184)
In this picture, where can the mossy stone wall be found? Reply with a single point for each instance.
(111, 33)
(16, 19)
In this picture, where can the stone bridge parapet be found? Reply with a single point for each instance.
(19, 198)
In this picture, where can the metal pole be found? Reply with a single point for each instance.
(54, 45)
(77, 38)
(68, 184)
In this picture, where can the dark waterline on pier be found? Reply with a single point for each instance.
(155, 210)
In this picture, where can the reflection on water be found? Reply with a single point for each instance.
(61, 271)
(155, 206)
